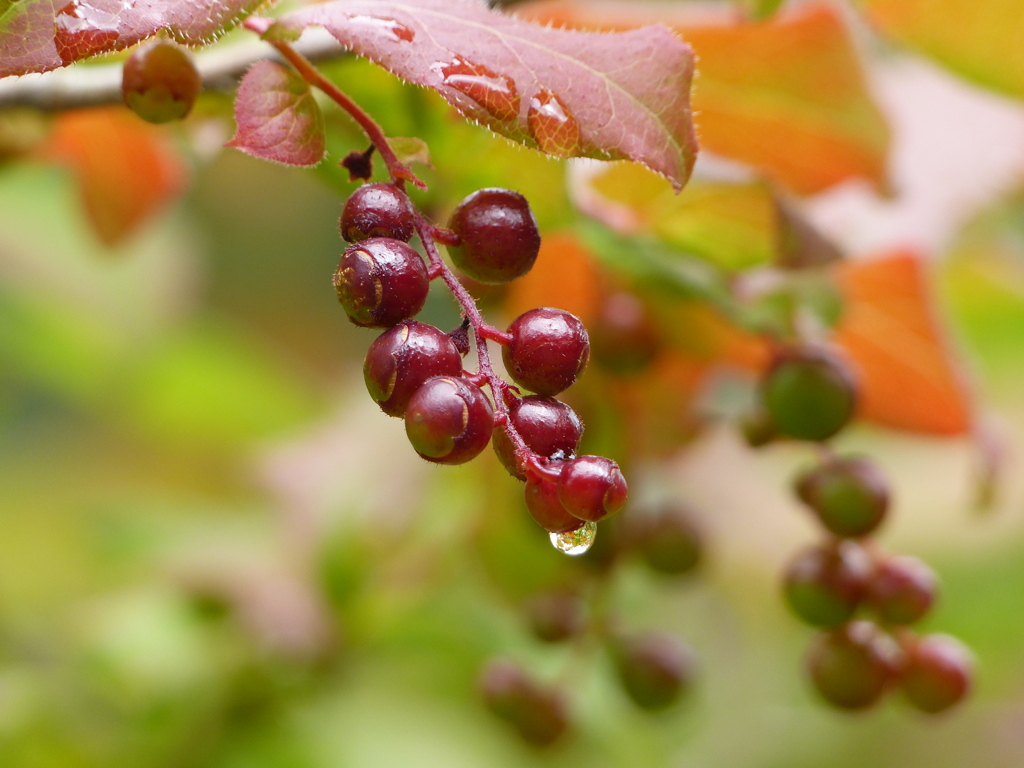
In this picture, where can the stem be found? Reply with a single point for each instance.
(398, 170)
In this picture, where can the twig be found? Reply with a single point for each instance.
(88, 86)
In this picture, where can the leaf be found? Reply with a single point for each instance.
(277, 117)
(909, 376)
(567, 93)
(979, 40)
(40, 35)
(787, 95)
(126, 169)
(410, 150)
(731, 225)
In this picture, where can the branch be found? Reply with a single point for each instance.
(89, 86)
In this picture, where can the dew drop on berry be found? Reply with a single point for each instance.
(575, 542)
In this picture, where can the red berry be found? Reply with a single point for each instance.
(849, 495)
(655, 670)
(624, 337)
(159, 82)
(901, 590)
(380, 282)
(377, 210)
(557, 616)
(809, 394)
(449, 420)
(539, 714)
(824, 584)
(402, 358)
(498, 235)
(592, 487)
(853, 666)
(668, 541)
(546, 508)
(937, 674)
(551, 429)
(548, 350)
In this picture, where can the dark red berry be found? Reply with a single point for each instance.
(377, 210)
(551, 429)
(901, 589)
(592, 487)
(538, 714)
(547, 510)
(381, 282)
(548, 350)
(556, 616)
(449, 420)
(402, 358)
(624, 337)
(809, 394)
(498, 236)
(655, 670)
(668, 541)
(824, 584)
(849, 495)
(852, 666)
(159, 82)
(937, 674)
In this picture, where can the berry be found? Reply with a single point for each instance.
(381, 282)
(669, 542)
(402, 358)
(551, 429)
(449, 420)
(849, 495)
(654, 670)
(548, 350)
(824, 585)
(901, 590)
(538, 714)
(377, 210)
(592, 487)
(852, 666)
(159, 82)
(757, 427)
(937, 674)
(498, 236)
(810, 395)
(623, 336)
(557, 616)
(547, 510)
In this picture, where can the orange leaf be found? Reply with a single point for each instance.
(126, 169)
(909, 377)
(786, 95)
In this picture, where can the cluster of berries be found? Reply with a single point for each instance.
(810, 395)
(414, 370)
(654, 669)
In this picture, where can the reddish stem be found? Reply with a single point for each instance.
(398, 170)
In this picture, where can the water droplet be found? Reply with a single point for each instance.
(575, 542)
(79, 30)
(553, 127)
(495, 93)
(398, 31)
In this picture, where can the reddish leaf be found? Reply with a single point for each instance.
(125, 168)
(567, 93)
(39, 35)
(909, 377)
(786, 95)
(277, 117)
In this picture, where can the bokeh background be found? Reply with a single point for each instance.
(216, 551)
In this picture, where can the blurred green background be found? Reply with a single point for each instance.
(215, 551)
